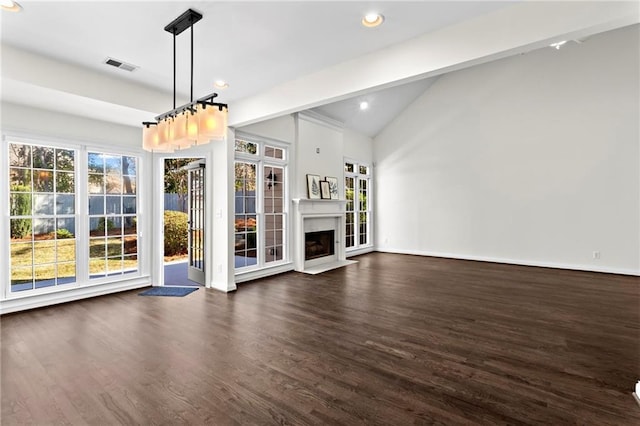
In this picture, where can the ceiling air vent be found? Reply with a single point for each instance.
(119, 64)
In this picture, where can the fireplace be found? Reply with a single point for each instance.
(318, 235)
(319, 244)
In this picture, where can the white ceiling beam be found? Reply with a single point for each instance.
(21, 93)
(21, 68)
(515, 29)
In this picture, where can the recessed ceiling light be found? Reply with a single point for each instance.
(372, 19)
(558, 44)
(221, 84)
(10, 6)
(364, 105)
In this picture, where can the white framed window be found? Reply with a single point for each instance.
(72, 215)
(42, 216)
(261, 201)
(113, 220)
(357, 186)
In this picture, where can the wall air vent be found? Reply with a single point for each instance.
(119, 64)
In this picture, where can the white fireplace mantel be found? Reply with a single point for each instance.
(307, 206)
(305, 209)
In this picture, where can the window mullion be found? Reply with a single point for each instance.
(356, 209)
(5, 220)
(260, 216)
(82, 216)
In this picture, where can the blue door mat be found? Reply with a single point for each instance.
(168, 291)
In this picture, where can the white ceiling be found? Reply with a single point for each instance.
(260, 48)
(252, 45)
(383, 106)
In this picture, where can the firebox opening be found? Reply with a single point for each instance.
(319, 244)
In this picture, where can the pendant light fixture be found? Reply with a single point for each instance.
(195, 123)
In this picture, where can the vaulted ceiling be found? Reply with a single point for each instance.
(278, 57)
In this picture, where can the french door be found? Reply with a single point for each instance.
(196, 230)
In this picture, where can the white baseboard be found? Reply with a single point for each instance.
(587, 268)
(53, 298)
(358, 252)
(242, 277)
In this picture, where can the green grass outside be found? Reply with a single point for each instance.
(38, 259)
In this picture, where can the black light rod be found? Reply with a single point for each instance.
(191, 98)
(174, 71)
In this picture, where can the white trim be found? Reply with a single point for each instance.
(63, 296)
(363, 250)
(69, 143)
(323, 120)
(224, 287)
(82, 220)
(357, 177)
(5, 232)
(251, 137)
(268, 271)
(157, 205)
(586, 268)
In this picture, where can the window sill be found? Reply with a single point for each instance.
(22, 302)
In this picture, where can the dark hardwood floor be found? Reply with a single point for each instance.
(391, 340)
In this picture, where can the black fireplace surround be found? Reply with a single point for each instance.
(319, 244)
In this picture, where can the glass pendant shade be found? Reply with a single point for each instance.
(180, 134)
(163, 136)
(213, 124)
(150, 138)
(192, 127)
(203, 137)
(164, 131)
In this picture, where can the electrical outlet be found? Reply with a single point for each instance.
(596, 255)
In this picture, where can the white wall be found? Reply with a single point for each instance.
(533, 159)
(33, 121)
(358, 146)
(281, 128)
(319, 151)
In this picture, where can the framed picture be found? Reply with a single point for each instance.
(333, 186)
(313, 187)
(325, 190)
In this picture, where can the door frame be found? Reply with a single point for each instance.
(157, 237)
